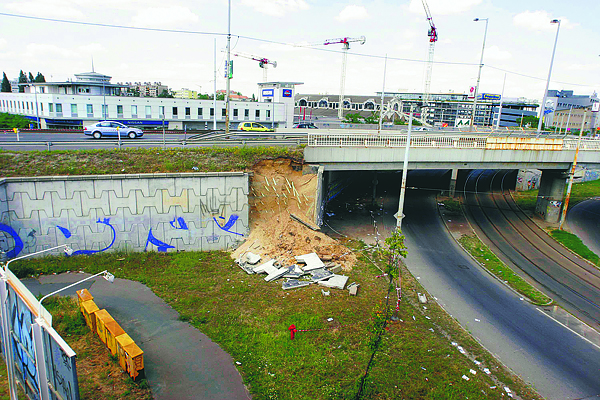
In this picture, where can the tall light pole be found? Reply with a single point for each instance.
(543, 105)
(479, 74)
(228, 74)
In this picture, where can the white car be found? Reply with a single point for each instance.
(112, 129)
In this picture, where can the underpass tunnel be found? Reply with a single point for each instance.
(362, 204)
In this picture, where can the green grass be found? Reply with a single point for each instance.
(493, 264)
(137, 161)
(575, 244)
(249, 319)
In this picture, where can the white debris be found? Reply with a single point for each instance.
(466, 378)
(473, 371)
(477, 320)
(265, 267)
(278, 273)
(252, 258)
(422, 298)
(336, 282)
(311, 260)
(329, 319)
(487, 371)
(325, 293)
(477, 362)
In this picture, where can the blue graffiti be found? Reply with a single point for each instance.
(162, 246)
(64, 231)
(15, 236)
(105, 221)
(180, 221)
(232, 220)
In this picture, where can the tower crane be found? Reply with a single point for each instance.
(433, 37)
(345, 42)
(262, 62)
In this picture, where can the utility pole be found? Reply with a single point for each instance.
(382, 95)
(400, 214)
(215, 91)
(479, 74)
(571, 175)
(228, 68)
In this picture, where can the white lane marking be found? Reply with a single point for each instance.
(578, 334)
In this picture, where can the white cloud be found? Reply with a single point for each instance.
(172, 16)
(495, 53)
(540, 21)
(443, 7)
(49, 51)
(3, 43)
(276, 8)
(352, 13)
(408, 34)
(92, 48)
(583, 67)
(47, 8)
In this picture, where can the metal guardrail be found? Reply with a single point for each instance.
(440, 141)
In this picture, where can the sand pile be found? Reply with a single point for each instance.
(278, 189)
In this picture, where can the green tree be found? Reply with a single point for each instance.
(355, 118)
(204, 97)
(39, 78)
(5, 84)
(9, 121)
(166, 94)
(373, 118)
(22, 79)
(529, 121)
(30, 78)
(253, 97)
(220, 96)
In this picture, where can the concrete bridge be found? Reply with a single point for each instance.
(553, 155)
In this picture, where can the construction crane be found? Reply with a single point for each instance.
(345, 42)
(433, 37)
(262, 62)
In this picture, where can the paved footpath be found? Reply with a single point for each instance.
(180, 361)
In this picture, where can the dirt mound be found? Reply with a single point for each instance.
(278, 189)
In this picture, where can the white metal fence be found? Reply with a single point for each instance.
(442, 141)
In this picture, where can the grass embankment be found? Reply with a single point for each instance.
(249, 318)
(579, 192)
(99, 375)
(575, 244)
(493, 264)
(137, 161)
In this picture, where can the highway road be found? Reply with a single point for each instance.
(521, 244)
(557, 362)
(584, 221)
(78, 141)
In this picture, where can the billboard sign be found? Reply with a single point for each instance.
(462, 122)
(286, 92)
(489, 96)
(267, 93)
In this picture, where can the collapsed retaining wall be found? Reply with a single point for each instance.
(143, 212)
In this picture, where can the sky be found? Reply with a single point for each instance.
(518, 47)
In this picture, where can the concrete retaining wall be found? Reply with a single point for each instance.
(145, 212)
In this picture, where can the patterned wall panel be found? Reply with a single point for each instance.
(145, 212)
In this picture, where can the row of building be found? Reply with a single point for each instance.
(91, 97)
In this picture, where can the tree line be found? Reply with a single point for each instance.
(23, 78)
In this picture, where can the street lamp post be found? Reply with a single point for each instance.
(543, 105)
(68, 251)
(479, 74)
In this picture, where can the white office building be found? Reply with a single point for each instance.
(91, 98)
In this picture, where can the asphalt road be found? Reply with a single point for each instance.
(558, 363)
(180, 361)
(517, 241)
(584, 221)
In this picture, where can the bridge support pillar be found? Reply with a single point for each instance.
(453, 178)
(550, 195)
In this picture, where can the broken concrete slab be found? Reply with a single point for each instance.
(325, 293)
(353, 288)
(422, 298)
(262, 268)
(246, 268)
(311, 260)
(294, 271)
(276, 274)
(336, 268)
(252, 258)
(320, 274)
(293, 284)
(336, 282)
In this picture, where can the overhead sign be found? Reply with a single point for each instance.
(286, 93)
(267, 93)
(489, 96)
(460, 122)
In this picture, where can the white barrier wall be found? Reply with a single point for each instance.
(144, 212)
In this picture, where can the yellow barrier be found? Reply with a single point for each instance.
(113, 329)
(523, 143)
(89, 309)
(102, 317)
(122, 341)
(131, 357)
(83, 295)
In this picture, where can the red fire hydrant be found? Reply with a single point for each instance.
(293, 331)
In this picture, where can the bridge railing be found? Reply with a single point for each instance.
(494, 142)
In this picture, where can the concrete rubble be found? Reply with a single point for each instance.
(311, 270)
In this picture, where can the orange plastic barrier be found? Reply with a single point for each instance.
(89, 309)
